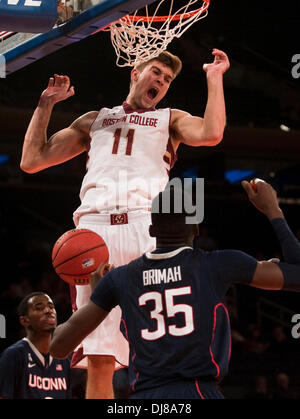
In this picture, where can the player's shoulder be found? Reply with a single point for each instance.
(119, 271)
(84, 122)
(166, 110)
(126, 271)
(111, 110)
(105, 112)
(229, 253)
(17, 349)
(20, 345)
(212, 256)
(178, 113)
(176, 116)
(87, 117)
(195, 252)
(196, 257)
(136, 262)
(231, 258)
(190, 252)
(116, 274)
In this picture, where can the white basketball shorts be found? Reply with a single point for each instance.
(125, 242)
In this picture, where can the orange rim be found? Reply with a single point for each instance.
(133, 18)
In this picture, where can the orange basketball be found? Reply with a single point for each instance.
(78, 253)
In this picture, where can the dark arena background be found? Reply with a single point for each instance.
(262, 139)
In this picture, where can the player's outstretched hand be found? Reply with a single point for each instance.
(263, 196)
(220, 65)
(59, 88)
(99, 273)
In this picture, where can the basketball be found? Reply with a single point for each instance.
(78, 253)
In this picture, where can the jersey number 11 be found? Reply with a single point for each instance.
(117, 136)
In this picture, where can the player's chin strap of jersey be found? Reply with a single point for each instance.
(290, 247)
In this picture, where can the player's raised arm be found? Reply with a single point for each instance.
(38, 152)
(207, 131)
(269, 275)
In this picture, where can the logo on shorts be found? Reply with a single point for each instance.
(119, 219)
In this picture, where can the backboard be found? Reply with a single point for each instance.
(88, 16)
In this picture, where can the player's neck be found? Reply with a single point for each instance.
(174, 243)
(135, 103)
(40, 341)
(130, 100)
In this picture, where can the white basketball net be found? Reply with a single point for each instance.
(137, 38)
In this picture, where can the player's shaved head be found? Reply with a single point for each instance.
(23, 306)
(169, 214)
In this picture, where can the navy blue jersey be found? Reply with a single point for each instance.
(174, 314)
(26, 374)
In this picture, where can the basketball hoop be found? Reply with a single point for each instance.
(137, 38)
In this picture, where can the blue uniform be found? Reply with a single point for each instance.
(175, 318)
(26, 374)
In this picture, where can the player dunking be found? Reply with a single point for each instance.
(129, 146)
(173, 304)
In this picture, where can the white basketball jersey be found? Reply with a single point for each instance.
(129, 160)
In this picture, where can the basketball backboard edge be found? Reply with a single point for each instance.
(19, 51)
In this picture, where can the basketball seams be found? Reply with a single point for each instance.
(69, 238)
(78, 254)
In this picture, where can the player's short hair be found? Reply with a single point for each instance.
(22, 309)
(166, 58)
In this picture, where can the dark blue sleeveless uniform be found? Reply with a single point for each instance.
(175, 319)
(26, 374)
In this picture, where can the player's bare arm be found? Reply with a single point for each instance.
(269, 275)
(206, 131)
(39, 152)
(70, 334)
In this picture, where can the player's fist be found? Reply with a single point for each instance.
(59, 88)
(254, 183)
(102, 270)
(263, 196)
(220, 64)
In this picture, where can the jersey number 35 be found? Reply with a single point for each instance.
(171, 310)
